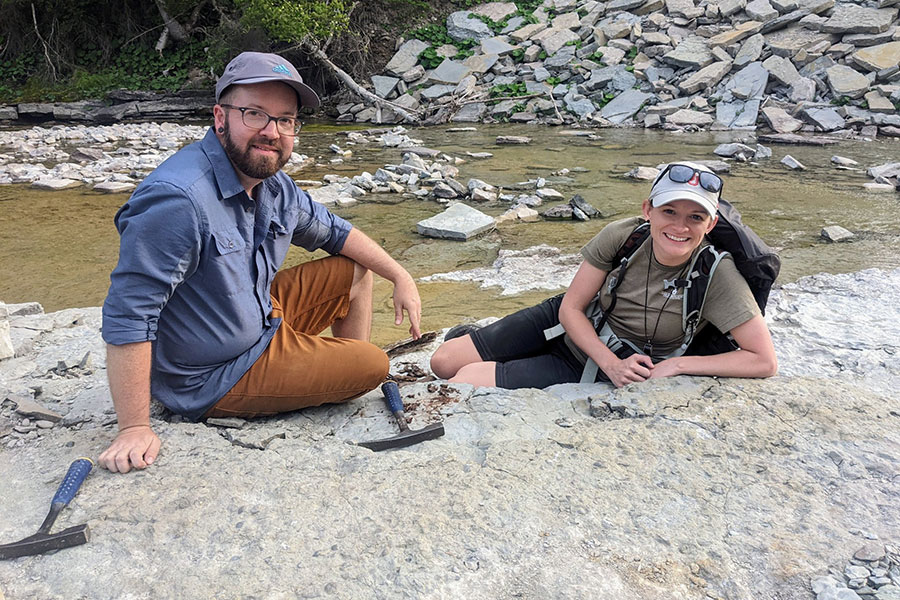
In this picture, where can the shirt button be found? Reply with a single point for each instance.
(249, 209)
(231, 244)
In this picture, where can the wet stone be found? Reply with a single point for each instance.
(836, 233)
(792, 163)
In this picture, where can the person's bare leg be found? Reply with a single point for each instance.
(357, 325)
(478, 374)
(453, 355)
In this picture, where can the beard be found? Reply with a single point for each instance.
(255, 166)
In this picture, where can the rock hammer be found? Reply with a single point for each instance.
(407, 436)
(43, 540)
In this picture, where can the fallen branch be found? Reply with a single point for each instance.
(44, 44)
(361, 91)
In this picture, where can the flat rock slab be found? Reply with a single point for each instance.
(458, 222)
(513, 139)
(793, 138)
(624, 106)
(877, 58)
(113, 187)
(691, 52)
(568, 492)
(850, 18)
(461, 26)
(55, 184)
(406, 57)
(847, 81)
(836, 233)
(449, 71)
(496, 11)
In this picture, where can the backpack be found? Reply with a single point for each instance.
(755, 260)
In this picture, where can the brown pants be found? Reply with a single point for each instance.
(301, 368)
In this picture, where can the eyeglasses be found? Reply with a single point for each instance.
(683, 174)
(257, 119)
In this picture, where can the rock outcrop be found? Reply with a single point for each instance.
(685, 488)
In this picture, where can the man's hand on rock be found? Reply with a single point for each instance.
(135, 446)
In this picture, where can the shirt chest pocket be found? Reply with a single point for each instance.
(229, 271)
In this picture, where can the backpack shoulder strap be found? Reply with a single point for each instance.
(594, 310)
(700, 273)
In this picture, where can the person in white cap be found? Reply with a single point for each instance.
(198, 314)
(644, 335)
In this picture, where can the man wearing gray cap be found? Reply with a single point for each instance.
(198, 314)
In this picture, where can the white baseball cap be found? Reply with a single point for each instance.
(666, 189)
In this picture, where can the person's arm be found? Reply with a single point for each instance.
(136, 445)
(587, 282)
(756, 357)
(361, 249)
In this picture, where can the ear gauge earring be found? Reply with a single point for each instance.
(221, 130)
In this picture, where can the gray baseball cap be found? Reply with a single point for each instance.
(258, 67)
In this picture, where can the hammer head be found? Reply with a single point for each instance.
(45, 542)
(406, 438)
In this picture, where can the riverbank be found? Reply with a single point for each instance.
(683, 488)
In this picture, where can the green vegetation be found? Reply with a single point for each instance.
(508, 90)
(605, 99)
(77, 49)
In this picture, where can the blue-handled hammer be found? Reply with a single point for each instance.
(43, 540)
(407, 436)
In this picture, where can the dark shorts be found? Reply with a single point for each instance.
(524, 357)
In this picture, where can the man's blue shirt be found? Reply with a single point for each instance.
(196, 261)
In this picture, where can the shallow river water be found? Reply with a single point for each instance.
(57, 248)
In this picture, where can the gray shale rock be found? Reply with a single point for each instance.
(641, 492)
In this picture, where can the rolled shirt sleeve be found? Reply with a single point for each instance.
(159, 247)
(317, 227)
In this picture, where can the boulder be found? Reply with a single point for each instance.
(624, 106)
(449, 72)
(557, 39)
(750, 51)
(877, 58)
(846, 81)
(462, 26)
(851, 18)
(824, 118)
(406, 57)
(706, 78)
(384, 85)
(689, 117)
(749, 82)
(760, 10)
(836, 233)
(458, 222)
(496, 11)
(782, 69)
(692, 52)
(780, 121)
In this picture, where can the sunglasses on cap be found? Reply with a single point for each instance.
(683, 174)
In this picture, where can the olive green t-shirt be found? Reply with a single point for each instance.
(645, 310)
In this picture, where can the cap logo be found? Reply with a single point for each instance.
(695, 180)
(281, 69)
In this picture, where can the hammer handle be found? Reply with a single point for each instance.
(78, 470)
(392, 396)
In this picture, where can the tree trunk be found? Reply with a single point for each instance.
(361, 91)
(176, 31)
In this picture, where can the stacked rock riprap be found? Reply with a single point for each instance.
(784, 65)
